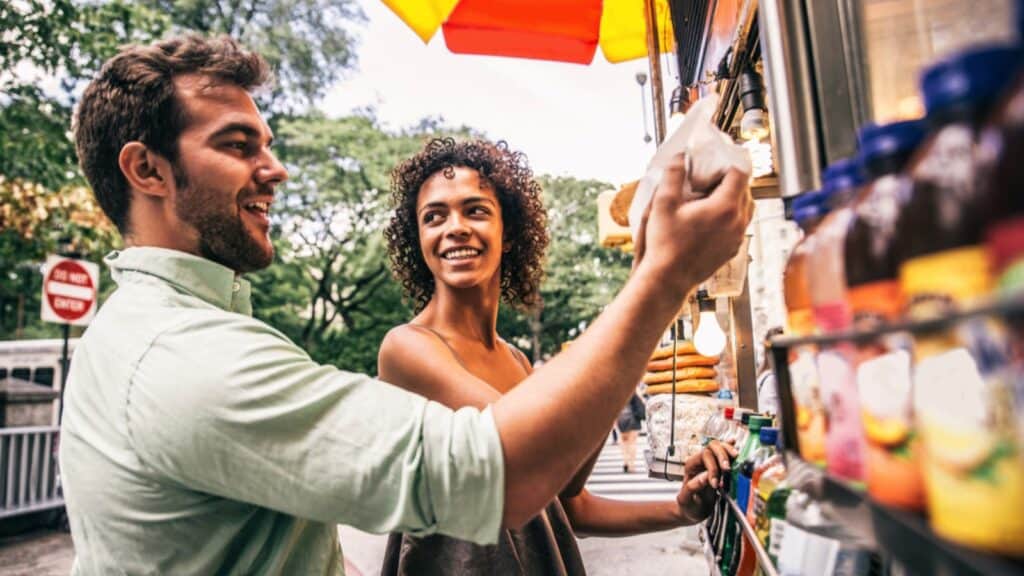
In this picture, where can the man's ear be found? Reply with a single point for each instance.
(145, 170)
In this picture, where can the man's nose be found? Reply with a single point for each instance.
(271, 170)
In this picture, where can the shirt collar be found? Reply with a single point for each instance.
(205, 279)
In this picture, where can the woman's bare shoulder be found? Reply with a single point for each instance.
(419, 360)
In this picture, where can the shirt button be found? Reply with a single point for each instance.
(236, 286)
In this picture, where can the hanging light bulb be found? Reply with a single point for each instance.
(709, 340)
(754, 123)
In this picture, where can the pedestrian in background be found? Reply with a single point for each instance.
(629, 424)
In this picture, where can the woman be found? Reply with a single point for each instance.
(469, 230)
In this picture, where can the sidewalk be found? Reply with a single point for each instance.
(49, 553)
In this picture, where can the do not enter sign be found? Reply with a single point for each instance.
(69, 290)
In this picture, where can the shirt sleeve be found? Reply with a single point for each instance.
(233, 408)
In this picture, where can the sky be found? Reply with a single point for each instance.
(572, 120)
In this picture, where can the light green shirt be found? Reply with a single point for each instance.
(198, 440)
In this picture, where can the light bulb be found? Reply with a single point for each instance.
(709, 340)
(754, 124)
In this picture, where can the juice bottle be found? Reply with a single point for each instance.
(872, 275)
(808, 211)
(1000, 148)
(974, 479)
(844, 436)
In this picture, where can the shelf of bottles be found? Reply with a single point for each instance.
(877, 506)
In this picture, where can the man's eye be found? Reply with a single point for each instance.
(241, 146)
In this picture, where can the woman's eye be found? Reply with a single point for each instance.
(478, 210)
(430, 217)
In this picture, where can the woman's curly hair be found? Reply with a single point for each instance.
(522, 211)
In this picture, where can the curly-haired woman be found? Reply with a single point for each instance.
(469, 230)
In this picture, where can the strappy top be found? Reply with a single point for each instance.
(545, 546)
(520, 357)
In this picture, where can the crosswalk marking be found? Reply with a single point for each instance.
(608, 479)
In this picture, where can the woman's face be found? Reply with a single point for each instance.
(460, 228)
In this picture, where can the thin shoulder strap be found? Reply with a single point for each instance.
(519, 356)
(442, 339)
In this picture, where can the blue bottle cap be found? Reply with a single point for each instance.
(877, 142)
(973, 78)
(769, 436)
(808, 206)
(843, 174)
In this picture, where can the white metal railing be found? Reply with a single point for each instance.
(29, 481)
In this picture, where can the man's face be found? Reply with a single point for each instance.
(225, 174)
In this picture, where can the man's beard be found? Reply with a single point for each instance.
(223, 236)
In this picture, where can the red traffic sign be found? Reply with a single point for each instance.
(69, 290)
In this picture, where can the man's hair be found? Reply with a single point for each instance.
(133, 99)
(522, 213)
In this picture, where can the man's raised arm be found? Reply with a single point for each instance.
(551, 422)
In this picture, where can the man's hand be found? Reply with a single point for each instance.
(685, 237)
(703, 470)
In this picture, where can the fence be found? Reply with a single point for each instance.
(29, 481)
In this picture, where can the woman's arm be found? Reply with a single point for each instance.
(592, 515)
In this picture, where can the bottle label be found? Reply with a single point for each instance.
(939, 284)
(1006, 250)
(844, 448)
(801, 322)
(810, 409)
(875, 304)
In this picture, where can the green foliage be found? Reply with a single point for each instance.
(330, 288)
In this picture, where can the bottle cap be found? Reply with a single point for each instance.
(729, 410)
(808, 206)
(969, 79)
(841, 175)
(769, 436)
(881, 142)
(757, 422)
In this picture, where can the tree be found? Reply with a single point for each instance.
(308, 43)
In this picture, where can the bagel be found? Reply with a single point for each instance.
(686, 361)
(683, 347)
(696, 372)
(696, 386)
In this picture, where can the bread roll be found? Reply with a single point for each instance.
(683, 347)
(695, 386)
(686, 361)
(681, 374)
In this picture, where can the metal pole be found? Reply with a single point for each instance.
(654, 60)
(743, 336)
(64, 364)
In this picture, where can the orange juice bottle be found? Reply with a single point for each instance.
(963, 388)
(808, 211)
(883, 370)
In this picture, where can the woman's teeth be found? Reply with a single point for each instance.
(460, 254)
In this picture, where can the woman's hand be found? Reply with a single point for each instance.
(703, 470)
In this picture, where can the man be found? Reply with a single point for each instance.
(197, 440)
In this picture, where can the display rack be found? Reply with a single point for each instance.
(904, 538)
